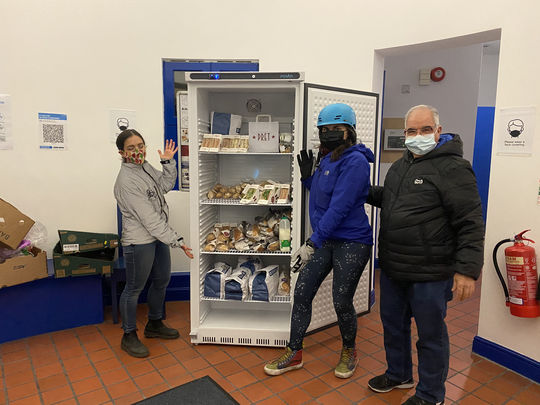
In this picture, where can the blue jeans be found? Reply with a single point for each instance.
(426, 302)
(348, 260)
(151, 260)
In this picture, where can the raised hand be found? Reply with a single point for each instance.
(305, 161)
(170, 150)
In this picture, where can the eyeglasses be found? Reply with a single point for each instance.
(131, 148)
(424, 131)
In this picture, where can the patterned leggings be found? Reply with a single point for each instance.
(348, 260)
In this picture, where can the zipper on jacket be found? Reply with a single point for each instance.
(157, 193)
(401, 182)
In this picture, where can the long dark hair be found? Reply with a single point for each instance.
(350, 141)
(124, 135)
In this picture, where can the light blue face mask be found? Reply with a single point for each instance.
(420, 144)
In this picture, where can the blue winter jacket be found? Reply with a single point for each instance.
(338, 191)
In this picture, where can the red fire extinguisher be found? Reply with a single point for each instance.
(521, 294)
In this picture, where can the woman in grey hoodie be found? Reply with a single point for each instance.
(146, 236)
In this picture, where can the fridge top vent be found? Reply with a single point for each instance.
(245, 76)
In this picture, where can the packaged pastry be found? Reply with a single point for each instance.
(253, 231)
(273, 246)
(222, 238)
(259, 247)
(210, 247)
(283, 197)
(284, 284)
(210, 237)
(237, 234)
(222, 247)
(266, 231)
(241, 245)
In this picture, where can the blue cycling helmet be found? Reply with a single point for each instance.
(337, 114)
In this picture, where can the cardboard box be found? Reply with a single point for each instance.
(75, 241)
(14, 225)
(82, 264)
(22, 269)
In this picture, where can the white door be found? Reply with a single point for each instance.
(365, 105)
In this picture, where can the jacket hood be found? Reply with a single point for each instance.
(449, 144)
(363, 149)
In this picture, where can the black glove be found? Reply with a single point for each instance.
(305, 161)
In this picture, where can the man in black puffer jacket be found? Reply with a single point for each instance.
(431, 244)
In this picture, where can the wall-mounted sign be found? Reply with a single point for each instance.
(515, 133)
(5, 122)
(394, 139)
(52, 131)
(121, 120)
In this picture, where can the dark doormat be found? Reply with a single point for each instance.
(203, 391)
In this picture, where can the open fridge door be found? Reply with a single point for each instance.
(365, 105)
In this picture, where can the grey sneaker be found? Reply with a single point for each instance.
(347, 363)
(382, 383)
(157, 329)
(133, 346)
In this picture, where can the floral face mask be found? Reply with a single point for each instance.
(135, 156)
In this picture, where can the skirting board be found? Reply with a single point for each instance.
(515, 361)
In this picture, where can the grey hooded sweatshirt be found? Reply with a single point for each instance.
(139, 191)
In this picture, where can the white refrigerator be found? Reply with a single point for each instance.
(295, 105)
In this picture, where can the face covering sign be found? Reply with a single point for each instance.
(516, 131)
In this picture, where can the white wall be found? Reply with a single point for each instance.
(455, 97)
(86, 57)
(488, 80)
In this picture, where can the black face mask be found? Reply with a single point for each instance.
(332, 139)
(515, 133)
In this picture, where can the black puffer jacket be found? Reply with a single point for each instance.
(431, 216)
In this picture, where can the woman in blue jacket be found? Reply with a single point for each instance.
(342, 236)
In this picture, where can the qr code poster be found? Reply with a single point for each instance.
(5, 122)
(52, 131)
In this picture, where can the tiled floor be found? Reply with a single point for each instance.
(86, 366)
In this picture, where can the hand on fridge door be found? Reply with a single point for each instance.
(305, 161)
(179, 243)
(169, 152)
(302, 256)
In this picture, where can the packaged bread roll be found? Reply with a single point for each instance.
(222, 247)
(210, 247)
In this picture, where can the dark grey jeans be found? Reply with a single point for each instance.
(151, 260)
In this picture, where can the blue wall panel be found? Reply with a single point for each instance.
(483, 139)
(49, 305)
(508, 358)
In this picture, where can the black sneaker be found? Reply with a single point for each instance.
(133, 346)
(419, 401)
(157, 329)
(382, 383)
